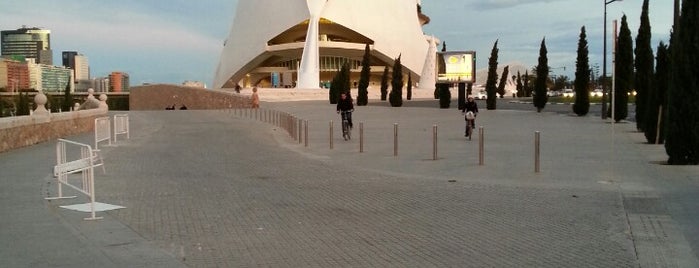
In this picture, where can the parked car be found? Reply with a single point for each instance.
(481, 95)
(596, 93)
(568, 93)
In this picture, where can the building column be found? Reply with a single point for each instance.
(428, 78)
(309, 71)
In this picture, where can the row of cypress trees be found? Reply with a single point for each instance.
(341, 82)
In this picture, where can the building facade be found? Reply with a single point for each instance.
(33, 43)
(14, 76)
(304, 44)
(119, 82)
(55, 78)
(78, 63)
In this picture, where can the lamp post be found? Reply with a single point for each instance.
(604, 61)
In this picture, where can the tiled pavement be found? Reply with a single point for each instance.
(216, 189)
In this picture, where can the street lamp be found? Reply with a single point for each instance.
(604, 61)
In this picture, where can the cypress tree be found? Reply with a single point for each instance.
(582, 77)
(23, 107)
(656, 96)
(2, 107)
(340, 84)
(520, 86)
(396, 96)
(527, 88)
(490, 87)
(644, 68)
(503, 81)
(67, 99)
(410, 86)
(623, 71)
(363, 92)
(444, 96)
(334, 92)
(542, 73)
(384, 84)
(682, 140)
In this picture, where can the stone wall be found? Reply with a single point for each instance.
(161, 96)
(21, 131)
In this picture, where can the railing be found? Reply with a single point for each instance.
(80, 159)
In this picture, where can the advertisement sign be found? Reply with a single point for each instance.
(456, 67)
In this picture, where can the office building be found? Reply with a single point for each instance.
(118, 82)
(30, 43)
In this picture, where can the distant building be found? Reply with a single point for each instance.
(99, 84)
(194, 84)
(55, 78)
(14, 76)
(118, 82)
(78, 63)
(33, 43)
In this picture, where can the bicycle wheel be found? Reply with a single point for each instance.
(345, 130)
(469, 131)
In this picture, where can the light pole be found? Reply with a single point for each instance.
(604, 61)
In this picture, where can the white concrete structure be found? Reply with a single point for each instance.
(303, 42)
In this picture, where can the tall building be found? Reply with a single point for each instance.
(119, 82)
(306, 42)
(26, 42)
(78, 63)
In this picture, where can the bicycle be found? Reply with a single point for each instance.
(346, 130)
(470, 124)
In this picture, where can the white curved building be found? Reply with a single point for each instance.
(302, 43)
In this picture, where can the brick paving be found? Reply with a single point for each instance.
(216, 189)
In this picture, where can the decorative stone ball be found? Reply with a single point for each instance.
(103, 97)
(40, 99)
(90, 91)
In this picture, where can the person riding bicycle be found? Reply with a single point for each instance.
(345, 106)
(471, 106)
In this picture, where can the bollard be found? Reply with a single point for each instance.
(305, 131)
(331, 134)
(361, 137)
(481, 144)
(434, 142)
(537, 151)
(395, 139)
(300, 130)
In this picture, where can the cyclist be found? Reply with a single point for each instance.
(346, 107)
(471, 106)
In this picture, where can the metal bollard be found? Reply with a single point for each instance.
(434, 142)
(481, 145)
(300, 130)
(331, 134)
(305, 131)
(537, 151)
(395, 139)
(361, 137)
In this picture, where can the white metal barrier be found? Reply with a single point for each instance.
(121, 125)
(79, 158)
(103, 131)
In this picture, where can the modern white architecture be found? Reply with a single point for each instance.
(302, 43)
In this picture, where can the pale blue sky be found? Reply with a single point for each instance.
(177, 40)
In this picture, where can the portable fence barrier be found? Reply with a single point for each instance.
(83, 163)
(121, 125)
(103, 131)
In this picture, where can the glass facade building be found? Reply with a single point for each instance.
(32, 43)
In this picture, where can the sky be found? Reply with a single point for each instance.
(176, 40)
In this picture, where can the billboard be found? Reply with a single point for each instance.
(456, 67)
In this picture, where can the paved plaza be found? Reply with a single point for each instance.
(227, 189)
